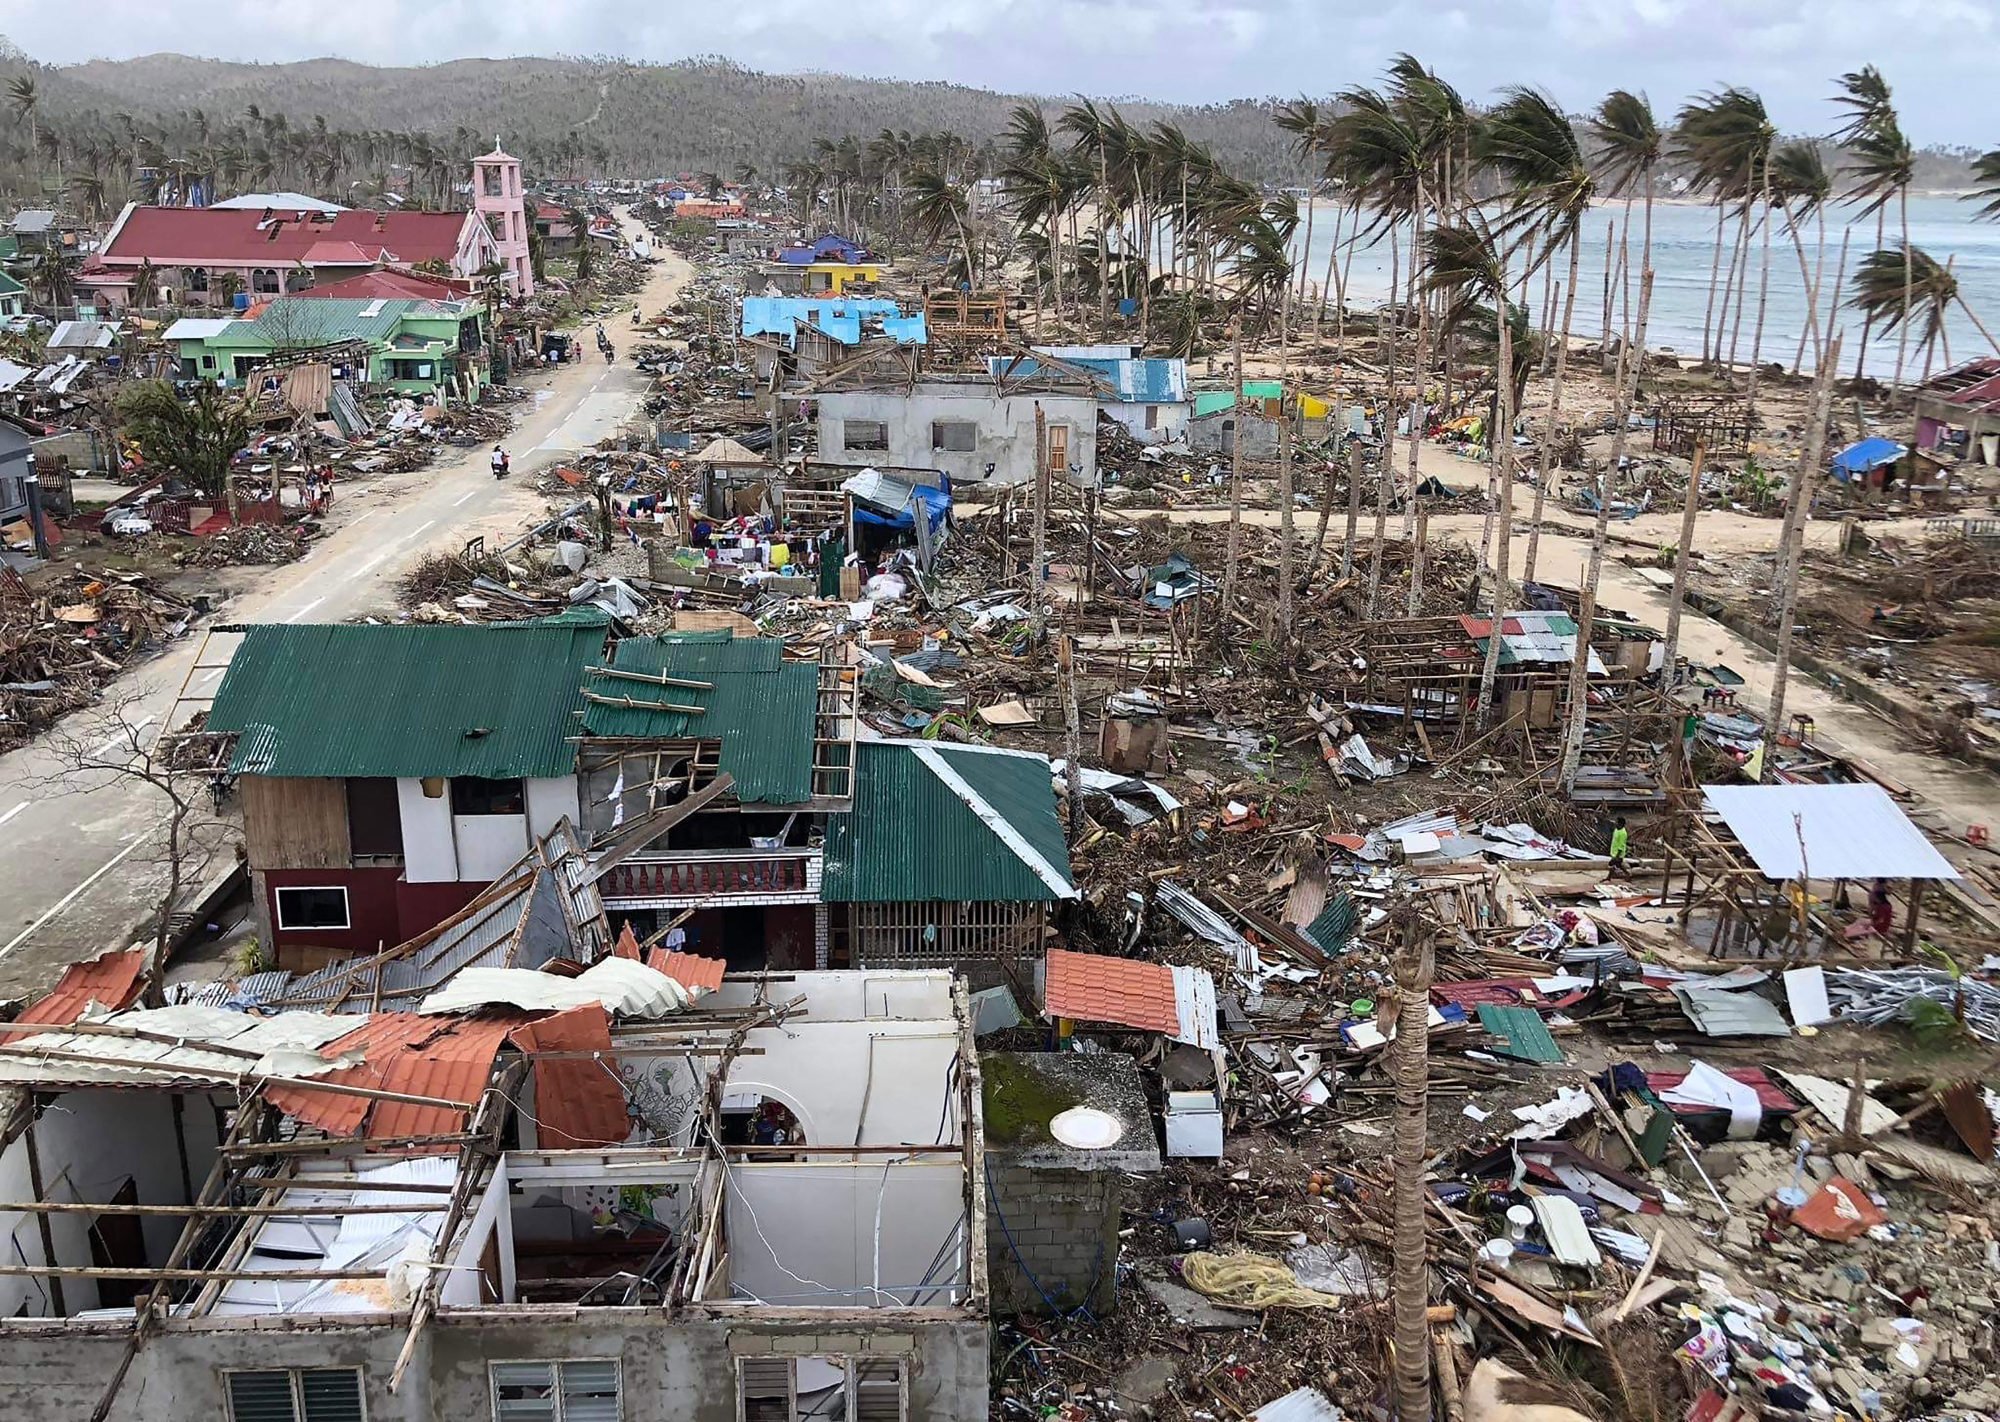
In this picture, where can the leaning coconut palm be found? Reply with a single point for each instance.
(1906, 286)
(1722, 138)
(1801, 188)
(1466, 265)
(1985, 187)
(1301, 118)
(1629, 148)
(941, 212)
(1035, 187)
(1881, 166)
(1550, 187)
(1864, 95)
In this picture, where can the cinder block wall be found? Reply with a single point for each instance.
(1064, 1226)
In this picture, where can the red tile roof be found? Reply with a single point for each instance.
(697, 975)
(111, 980)
(389, 284)
(1088, 987)
(446, 1058)
(193, 236)
(577, 1103)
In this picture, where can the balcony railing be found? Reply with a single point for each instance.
(713, 876)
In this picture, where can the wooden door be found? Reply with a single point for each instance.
(119, 1242)
(1058, 449)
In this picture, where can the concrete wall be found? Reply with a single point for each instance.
(679, 1371)
(1167, 421)
(90, 1143)
(1214, 434)
(1006, 430)
(1064, 1228)
(864, 1232)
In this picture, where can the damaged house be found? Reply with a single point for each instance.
(976, 428)
(597, 1193)
(1148, 395)
(802, 336)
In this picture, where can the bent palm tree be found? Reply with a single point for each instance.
(1906, 286)
(1528, 141)
(1986, 186)
(1466, 265)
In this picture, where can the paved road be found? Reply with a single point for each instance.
(81, 854)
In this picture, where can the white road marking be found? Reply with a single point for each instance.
(362, 571)
(430, 523)
(13, 812)
(463, 497)
(304, 610)
(126, 737)
(69, 898)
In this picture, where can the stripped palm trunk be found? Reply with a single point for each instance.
(1555, 419)
(1763, 301)
(1909, 276)
(1417, 417)
(1285, 529)
(1354, 458)
(1411, 1285)
(1792, 542)
(1683, 560)
(1235, 490)
(1708, 324)
(1576, 710)
(1503, 518)
(1385, 472)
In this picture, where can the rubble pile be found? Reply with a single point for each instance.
(250, 543)
(63, 639)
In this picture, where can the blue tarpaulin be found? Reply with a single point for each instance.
(839, 317)
(1864, 455)
(935, 501)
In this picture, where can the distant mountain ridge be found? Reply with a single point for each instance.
(693, 115)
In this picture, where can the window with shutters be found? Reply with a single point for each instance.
(573, 1390)
(295, 1395)
(816, 1389)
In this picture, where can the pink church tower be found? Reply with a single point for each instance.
(497, 198)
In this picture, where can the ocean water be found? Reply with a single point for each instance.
(1683, 251)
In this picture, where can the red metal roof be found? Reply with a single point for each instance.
(388, 284)
(111, 980)
(627, 945)
(1769, 1095)
(446, 1058)
(697, 975)
(1089, 987)
(194, 236)
(577, 1103)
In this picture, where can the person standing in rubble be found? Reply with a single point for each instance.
(1881, 916)
(1621, 840)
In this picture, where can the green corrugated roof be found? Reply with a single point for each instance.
(1521, 1031)
(912, 837)
(341, 699)
(306, 321)
(762, 708)
(10, 287)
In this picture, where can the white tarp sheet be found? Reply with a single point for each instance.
(1847, 832)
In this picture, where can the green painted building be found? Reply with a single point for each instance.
(409, 345)
(13, 296)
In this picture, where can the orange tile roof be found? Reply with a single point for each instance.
(697, 975)
(111, 980)
(577, 1103)
(1089, 987)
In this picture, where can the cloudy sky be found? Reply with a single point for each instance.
(1937, 53)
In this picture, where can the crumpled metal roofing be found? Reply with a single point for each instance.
(110, 981)
(762, 708)
(447, 1061)
(496, 700)
(1849, 832)
(577, 1102)
(287, 1045)
(625, 988)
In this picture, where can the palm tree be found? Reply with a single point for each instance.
(1302, 120)
(1865, 95)
(1550, 186)
(1801, 188)
(1883, 166)
(1906, 286)
(1985, 187)
(1466, 264)
(1724, 138)
(942, 210)
(25, 101)
(1036, 188)
(1091, 130)
(1629, 148)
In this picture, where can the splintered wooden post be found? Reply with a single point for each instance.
(1410, 1054)
(1072, 737)
(1036, 591)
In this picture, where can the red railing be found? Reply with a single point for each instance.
(708, 874)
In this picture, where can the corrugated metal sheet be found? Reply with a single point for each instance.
(492, 700)
(1150, 380)
(761, 710)
(1091, 987)
(447, 1060)
(577, 1103)
(1732, 1014)
(1522, 1033)
(110, 980)
(1850, 832)
(912, 837)
(287, 1046)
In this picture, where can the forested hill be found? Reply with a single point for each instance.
(609, 115)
